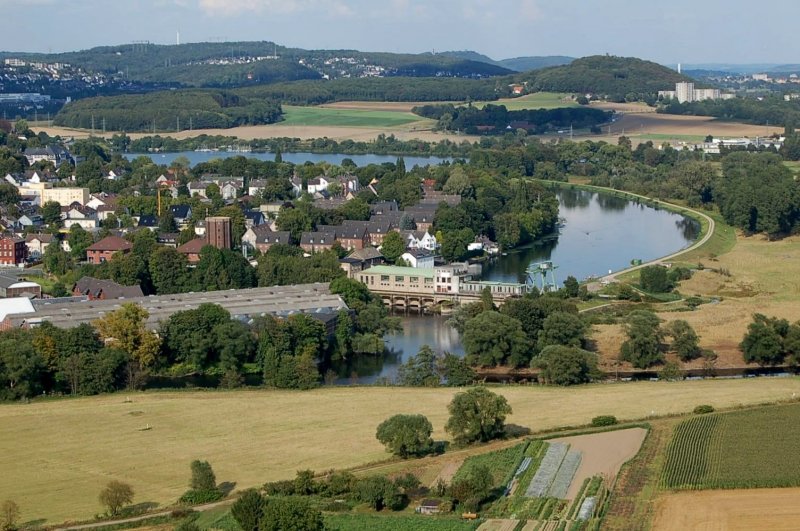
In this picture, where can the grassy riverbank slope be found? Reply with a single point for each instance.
(56, 456)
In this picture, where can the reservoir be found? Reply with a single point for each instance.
(601, 232)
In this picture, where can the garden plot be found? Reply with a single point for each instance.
(547, 470)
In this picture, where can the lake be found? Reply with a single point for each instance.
(601, 233)
(196, 157)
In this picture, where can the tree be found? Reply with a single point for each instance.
(115, 496)
(643, 346)
(125, 329)
(419, 370)
(477, 415)
(406, 435)
(78, 240)
(763, 342)
(566, 365)
(56, 260)
(654, 279)
(168, 271)
(684, 340)
(487, 300)
(51, 213)
(203, 477)
(393, 246)
(562, 328)
(471, 490)
(294, 220)
(492, 338)
(282, 513)
(455, 370)
(379, 492)
(572, 287)
(9, 514)
(248, 509)
(166, 222)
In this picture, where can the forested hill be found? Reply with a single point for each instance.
(518, 64)
(234, 64)
(615, 77)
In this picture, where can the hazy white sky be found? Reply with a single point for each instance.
(687, 31)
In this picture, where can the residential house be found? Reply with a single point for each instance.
(434, 197)
(253, 218)
(37, 244)
(182, 215)
(316, 242)
(105, 249)
(318, 184)
(419, 239)
(423, 215)
(54, 154)
(28, 221)
(200, 228)
(76, 214)
(12, 250)
(168, 239)
(148, 221)
(198, 188)
(111, 175)
(382, 207)
(256, 187)
(297, 185)
(102, 199)
(353, 234)
(230, 189)
(483, 243)
(349, 183)
(351, 266)
(378, 230)
(273, 208)
(192, 248)
(429, 506)
(98, 289)
(418, 258)
(369, 256)
(262, 238)
(329, 203)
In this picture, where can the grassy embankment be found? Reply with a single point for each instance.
(59, 454)
(538, 100)
(337, 117)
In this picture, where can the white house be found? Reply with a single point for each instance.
(83, 216)
(318, 184)
(297, 185)
(419, 258)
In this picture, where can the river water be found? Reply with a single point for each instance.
(601, 233)
(196, 157)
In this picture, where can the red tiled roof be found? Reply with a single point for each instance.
(111, 243)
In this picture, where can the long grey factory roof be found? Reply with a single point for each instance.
(274, 300)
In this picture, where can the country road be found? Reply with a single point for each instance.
(140, 518)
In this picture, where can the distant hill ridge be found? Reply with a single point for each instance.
(234, 64)
(605, 75)
(518, 64)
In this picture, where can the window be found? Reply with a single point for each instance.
(399, 278)
(384, 278)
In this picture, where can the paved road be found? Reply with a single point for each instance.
(710, 232)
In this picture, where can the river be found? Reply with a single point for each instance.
(601, 233)
(196, 157)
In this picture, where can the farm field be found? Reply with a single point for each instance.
(368, 522)
(59, 454)
(538, 100)
(343, 117)
(730, 510)
(742, 449)
(764, 278)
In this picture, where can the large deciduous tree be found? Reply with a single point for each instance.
(477, 415)
(115, 496)
(492, 338)
(406, 435)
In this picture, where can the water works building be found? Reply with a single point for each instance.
(422, 287)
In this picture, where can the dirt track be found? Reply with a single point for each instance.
(773, 509)
(603, 453)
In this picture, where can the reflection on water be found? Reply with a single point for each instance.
(418, 330)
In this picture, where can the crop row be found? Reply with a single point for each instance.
(687, 462)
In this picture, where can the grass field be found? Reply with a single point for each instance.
(743, 449)
(337, 117)
(538, 100)
(55, 456)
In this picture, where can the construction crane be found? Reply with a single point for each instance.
(545, 274)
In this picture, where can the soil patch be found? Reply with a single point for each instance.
(497, 524)
(448, 471)
(732, 510)
(603, 453)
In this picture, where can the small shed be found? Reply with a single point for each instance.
(429, 506)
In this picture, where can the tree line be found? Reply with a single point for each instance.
(496, 119)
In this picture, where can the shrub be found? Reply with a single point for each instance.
(702, 409)
(279, 488)
(604, 420)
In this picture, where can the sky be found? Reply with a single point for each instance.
(686, 31)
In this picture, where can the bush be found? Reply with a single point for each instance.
(604, 420)
(279, 488)
(702, 409)
(197, 497)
